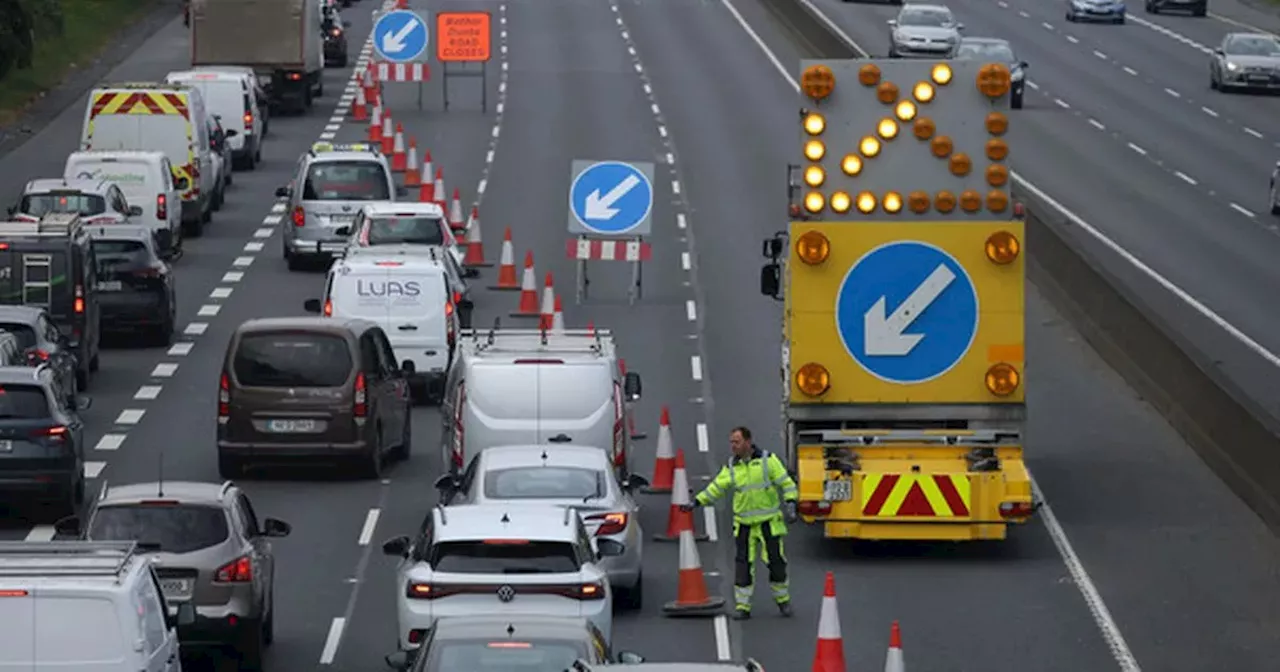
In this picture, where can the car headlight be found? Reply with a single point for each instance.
(1232, 66)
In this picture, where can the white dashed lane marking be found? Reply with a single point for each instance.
(178, 350)
(148, 392)
(130, 416)
(110, 442)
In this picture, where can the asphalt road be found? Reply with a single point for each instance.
(1186, 571)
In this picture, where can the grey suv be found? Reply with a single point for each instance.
(41, 439)
(209, 548)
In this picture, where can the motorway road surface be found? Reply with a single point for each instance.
(1185, 569)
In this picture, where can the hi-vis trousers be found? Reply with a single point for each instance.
(749, 541)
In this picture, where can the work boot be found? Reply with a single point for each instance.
(741, 615)
(784, 608)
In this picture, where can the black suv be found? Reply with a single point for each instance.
(42, 343)
(41, 440)
(135, 286)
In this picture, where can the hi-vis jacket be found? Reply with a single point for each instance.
(756, 483)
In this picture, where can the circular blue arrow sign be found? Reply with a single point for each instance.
(611, 198)
(400, 36)
(907, 312)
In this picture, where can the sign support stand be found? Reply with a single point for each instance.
(445, 72)
(464, 38)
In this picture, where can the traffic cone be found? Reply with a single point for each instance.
(507, 265)
(692, 598)
(547, 314)
(439, 196)
(829, 656)
(475, 244)
(679, 521)
(375, 124)
(455, 212)
(893, 661)
(528, 306)
(427, 190)
(631, 418)
(557, 319)
(393, 145)
(359, 108)
(664, 467)
(399, 152)
(411, 170)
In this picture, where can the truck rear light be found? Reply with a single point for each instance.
(817, 509)
(361, 408)
(299, 216)
(610, 523)
(239, 570)
(224, 399)
(1016, 509)
(162, 207)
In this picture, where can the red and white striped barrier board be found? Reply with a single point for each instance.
(585, 249)
(401, 72)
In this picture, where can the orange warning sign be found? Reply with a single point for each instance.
(462, 36)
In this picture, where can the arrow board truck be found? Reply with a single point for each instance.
(279, 39)
(409, 298)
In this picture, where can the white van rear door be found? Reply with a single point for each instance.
(76, 632)
(18, 636)
(419, 317)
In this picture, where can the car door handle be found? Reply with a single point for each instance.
(407, 327)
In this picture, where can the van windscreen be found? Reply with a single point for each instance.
(292, 359)
(39, 205)
(353, 180)
(173, 527)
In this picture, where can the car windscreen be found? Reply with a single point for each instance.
(39, 205)
(292, 359)
(504, 655)
(25, 333)
(173, 527)
(924, 17)
(504, 556)
(544, 483)
(403, 229)
(23, 402)
(999, 53)
(346, 181)
(1253, 46)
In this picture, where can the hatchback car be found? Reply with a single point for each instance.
(42, 343)
(995, 50)
(329, 186)
(97, 201)
(317, 388)
(579, 477)
(923, 31)
(500, 560)
(135, 286)
(1192, 7)
(41, 440)
(1245, 61)
(209, 549)
(402, 224)
(1098, 11)
(507, 643)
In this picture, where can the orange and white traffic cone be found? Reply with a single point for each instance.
(455, 212)
(394, 148)
(375, 124)
(547, 314)
(411, 171)
(427, 190)
(664, 467)
(528, 306)
(388, 132)
(829, 656)
(631, 417)
(692, 597)
(360, 107)
(369, 86)
(557, 319)
(678, 520)
(507, 279)
(439, 189)
(475, 244)
(894, 662)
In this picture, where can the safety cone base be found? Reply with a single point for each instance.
(480, 264)
(519, 314)
(504, 289)
(696, 537)
(649, 490)
(711, 607)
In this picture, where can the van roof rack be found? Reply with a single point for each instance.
(569, 340)
(54, 224)
(66, 558)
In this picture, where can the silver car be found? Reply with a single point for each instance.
(1245, 61)
(331, 184)
(998, 51)
(579, 477)
(1275, 190)
(923, 31)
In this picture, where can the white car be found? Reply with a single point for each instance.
(402, 223)
(568, 476)
(500, 559)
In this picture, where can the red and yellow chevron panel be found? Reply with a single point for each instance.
(915, 495)
(138, 102)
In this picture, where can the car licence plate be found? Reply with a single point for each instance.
(341, 220)
(109, 286)
(175, 588)
(6, 446)
(291, 426)
(837, 491)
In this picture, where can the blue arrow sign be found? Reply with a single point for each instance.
(907, 312)
(611, 198)
(400, 36)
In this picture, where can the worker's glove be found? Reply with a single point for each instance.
(789, 512)
(688, 508)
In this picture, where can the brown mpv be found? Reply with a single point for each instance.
(319, 388)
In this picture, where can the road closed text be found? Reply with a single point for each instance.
(463, 36)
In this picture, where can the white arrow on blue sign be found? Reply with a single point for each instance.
(400, 36)
(611, 198)
(907, 312)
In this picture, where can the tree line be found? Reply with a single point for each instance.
(22, 24)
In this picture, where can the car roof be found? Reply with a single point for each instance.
(120, 232)
(496, 627)
(346, 155)
(506, 521)
(20, 313)
(12, 375)
(377, 208)
(557, 455)
(924, 6)
(185, 492)
(46, 184)
(332, 325)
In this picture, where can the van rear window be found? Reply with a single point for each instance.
(173, 527)
(477, 557)
(23, 402)
(346, 181)
(282, 359)
(39, 205)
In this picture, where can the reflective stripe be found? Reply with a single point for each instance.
(762, 513)
(753, 486)
(781, 591)
(742, 597)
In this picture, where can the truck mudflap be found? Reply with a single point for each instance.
(914, 492)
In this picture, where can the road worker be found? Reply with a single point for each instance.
(764, 502)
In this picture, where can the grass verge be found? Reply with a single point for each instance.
(90, 25)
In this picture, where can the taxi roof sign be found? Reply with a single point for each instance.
(323, 146)
(905, 140)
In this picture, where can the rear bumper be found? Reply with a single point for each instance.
(218, 626)
(135, 313)
(315, 248)
(270, 452)
(52, 483)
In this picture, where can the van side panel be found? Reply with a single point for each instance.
(18, 634)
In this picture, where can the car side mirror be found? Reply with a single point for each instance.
(83, 402)
(182, 183)
(892, 22)
(186, 614)
(135, 211)
(630, 658)
(230, 133)
(67, 527)
(276, 528)
(397, 547)
(401, 192)
(771, 279)
(398, 661)
(312, 306)
(635, 482)
(631, 386)
(283, 192)
(609, 548)
(447, 483)
(1023, 64)
(1219, 52)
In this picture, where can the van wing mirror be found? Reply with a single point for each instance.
(631, 385)
(67, 527)
(182, 183)
(283, 192)
(635, 482)
(609, 548)
(771, 279)
(272, 527)
(408, 367)
(447, 483)
(83, 402)
(135, 211)
(312, 306)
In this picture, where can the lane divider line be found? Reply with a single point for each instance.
(370, 525)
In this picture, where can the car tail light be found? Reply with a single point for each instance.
(162, 207)
(328, 307)
(459, 431)
(1016, 509)
(78, 305)
(224, 399)
(361, 408)
(37, 356)
(239, 570)
(584, 591)
(610, 523)
(415, 635)
(248, 119)
(619, 428)
(450, 335)
(818, 509)
(57, 433)
(417, 590)
(299, 216)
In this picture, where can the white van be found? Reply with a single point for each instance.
(147, 180)
(410, 298)
(88, 606)
(230, 96)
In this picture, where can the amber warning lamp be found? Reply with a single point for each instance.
(817, 82)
